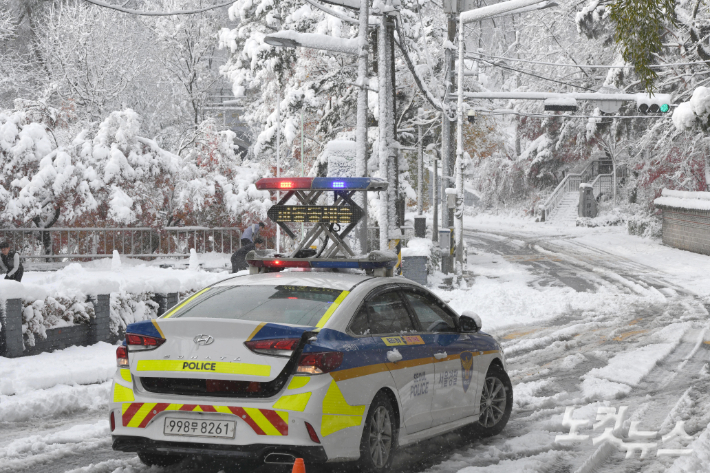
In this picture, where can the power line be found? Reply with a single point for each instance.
(535, 75)
(589, 66)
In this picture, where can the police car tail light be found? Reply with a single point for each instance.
(276, 347)
(143, 341)
(122, 357)
(317, 363)
(113, 422)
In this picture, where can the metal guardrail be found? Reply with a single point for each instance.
(139, 242)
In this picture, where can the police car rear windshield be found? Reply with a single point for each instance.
(297, 305)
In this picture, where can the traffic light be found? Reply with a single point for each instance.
(658, 103)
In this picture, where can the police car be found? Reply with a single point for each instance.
(323, 366)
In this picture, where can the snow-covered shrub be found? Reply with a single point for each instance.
(648, 226)
(129, 308)
(40, 315)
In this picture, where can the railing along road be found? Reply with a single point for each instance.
(140, 242)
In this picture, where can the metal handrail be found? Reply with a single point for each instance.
(601, 183)
(570, 180)
(138, 242)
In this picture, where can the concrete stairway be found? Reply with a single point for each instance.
(566, 212)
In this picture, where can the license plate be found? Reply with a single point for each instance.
(199, 428)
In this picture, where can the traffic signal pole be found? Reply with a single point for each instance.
(464, 18)
(383, 128)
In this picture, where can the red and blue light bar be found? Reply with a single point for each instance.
(322, 183)
(282, 263)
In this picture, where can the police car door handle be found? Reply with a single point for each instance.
(440, 356)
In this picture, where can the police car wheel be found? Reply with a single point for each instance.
(496, 402)
(379, 437)
(158, 459)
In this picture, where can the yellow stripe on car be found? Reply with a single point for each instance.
(298, 382)
(126, 375)
(293, 402)
(121, 394)
(334, 403)
(256, 330)
(180, 306)
(323, 320)
(157, 327)
(223, 367)
(331, 424)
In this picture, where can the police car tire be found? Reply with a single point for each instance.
(158, 459)
(379, 405)
(495, 371)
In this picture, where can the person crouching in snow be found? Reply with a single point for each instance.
(10, 262)
(239, 258)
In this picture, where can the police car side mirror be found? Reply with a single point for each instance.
(470, 322)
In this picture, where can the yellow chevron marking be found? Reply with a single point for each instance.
(204, 367)
(173, 407)
(223, 410)
(126, 375)
(197, 409)
(334, 403)
(121, 394)
(331, 424)
(140, 415)
(283, 415)
(124, 407)
(180, 306)
(293, 402)
(256, 330)
(262, 421)
(298, 382)
(323, 320)
(157, 327)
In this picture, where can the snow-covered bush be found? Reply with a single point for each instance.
(53, 312)
(648, 226)
(128, 308)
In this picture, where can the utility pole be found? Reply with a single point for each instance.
(382, 86)
(278, 156)
(420, 163)
(448, 131)
(362, 125)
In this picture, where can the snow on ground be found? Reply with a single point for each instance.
(687, 269)
(71, 366)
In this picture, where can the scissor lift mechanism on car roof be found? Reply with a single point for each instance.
(344, 210)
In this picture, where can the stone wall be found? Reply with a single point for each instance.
(98, 330)
(687, 229)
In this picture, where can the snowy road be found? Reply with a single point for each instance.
(581, 327)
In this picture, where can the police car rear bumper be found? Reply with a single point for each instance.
(254, 452)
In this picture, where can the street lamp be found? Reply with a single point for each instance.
(359, 47)
(294, 39)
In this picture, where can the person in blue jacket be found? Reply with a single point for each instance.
(251, 232)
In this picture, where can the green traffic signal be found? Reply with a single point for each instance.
(665, 107)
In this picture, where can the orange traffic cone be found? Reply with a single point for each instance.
(299, 466)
